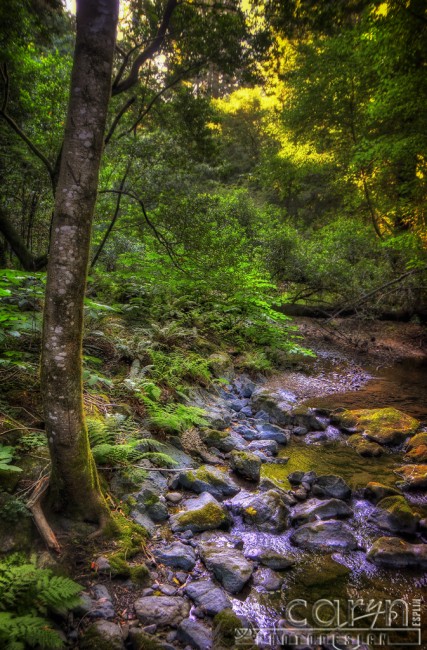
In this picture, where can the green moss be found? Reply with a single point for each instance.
(418, 440)
(140, 575)
(211, 515)
(131, 537)
(396, 505)
(204, 473)
(226, 623)
(120, 568)
(94, 639)
(142, 641)
(385, 426)
(364, 447)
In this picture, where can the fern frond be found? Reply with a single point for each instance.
(23, 631)
(159, 459)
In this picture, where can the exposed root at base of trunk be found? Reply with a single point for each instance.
(34, 505)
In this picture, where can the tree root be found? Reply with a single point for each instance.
(34, 505)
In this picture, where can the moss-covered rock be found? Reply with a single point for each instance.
(208, 479)
(417, 455)
(120, 568)
(374, 491)
(414, 477)
(203, 513)
(417, 441)
(221, 365)
(246, 464)
(141, 641)
(226, 624)
(265, 510)
(395, 515)
(102, 635)
(321, 572)
(394, 552)
(364, 447)
(387, 426)
(223, 440)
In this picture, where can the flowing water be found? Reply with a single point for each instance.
(404, 387)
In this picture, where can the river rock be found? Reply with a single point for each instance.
(210, 598)
(331, 486)
(265, 446)
(416, 455)
(269, 431)
(265, 510)
(395, 515)
(326, 536)
(415, 477)
(247, 432)
(229, 565)
(321, 572)
(268, 579)
(270, 558)
(142, 640)
(396, 553)
(196, 634)
(246, 464)
(315, 509)
(202, 513)
(208, 479)
(176, 555)
(365, 447)
(387, 426)
(244, 386)
(374, 492)
(223, 440)
(218, 417)
(102, 634)
(420, 439)
(163, 611)
(278, 403)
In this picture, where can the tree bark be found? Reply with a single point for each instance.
(74, 484)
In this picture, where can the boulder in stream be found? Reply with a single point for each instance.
(395, 553)
(331, 486)
(387, 426)
(210, 598)
(315, 509)
(202, 513)
(163, 611)
(270, 558)
(374, 491)
(246, 464)
(269, 431)
(176, 555)
(208, 479)
(395, 515)
(416, 455)
(229, 565)
(265, 510)
(222, 440)
(277, 402)
(326, 536)
(415, 477)
(364, 447)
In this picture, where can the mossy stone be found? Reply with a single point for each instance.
(387, 426)
(208, 517)
(364, 447)
(328, 570)
(226, 624)
(417, 455)
(417, 441)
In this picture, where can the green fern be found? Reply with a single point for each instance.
(112, 454)
(175, 417)
(20, 632)
(159, 459)
(6, 455)
(98, 432)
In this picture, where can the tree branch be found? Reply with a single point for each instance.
(26, 258)
(119, 85)
(117, 119)
(3, 112)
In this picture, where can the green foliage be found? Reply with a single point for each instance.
(27, 596)
(174, 418)
(6, 457)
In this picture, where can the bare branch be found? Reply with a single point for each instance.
(117, 119)
(155, 45)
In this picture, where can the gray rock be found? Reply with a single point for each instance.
(208, 479)
(266, 446)
(265, 510)
(315, 509)
(229, 565)
(210, 598)
(201, 513)
(296, 478)
(248, 433)
(300, 431)
(196, 634)
(316, 436)
(269, 558)
(246, 464)
(164, 611)
(176, 555)
(218, 417)
(102, 634)
(262, 415)
(395, 515)
(394, 552)
(245, 386)
(277, 403)
(102, 565)
(269, 431)
(223, 440)
(85, 605)
(174, 497)
(246, 412)
(237, 404)
(268, 579)
(325, 536)
(101, 591)
(331, 486)
(167, 590)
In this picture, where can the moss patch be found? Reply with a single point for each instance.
(325, 572)
(417, 455)
(415, 476)
(208, 517)
(226, 623)
(364, 447)
(417, 441)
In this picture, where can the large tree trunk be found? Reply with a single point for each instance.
(74, 481)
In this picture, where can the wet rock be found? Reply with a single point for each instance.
(102, 635)
(364, 447)
(387, 426)
(394, 552)
(321, 572)
(208, 479)
(326, 536)
(246, 464)
(265, 510)
(247, 432)
(300, 494)
(102, 565)
(277, 403)
(269, 483)
(394, 515)
(315, 509)
(150, 503)
(266, 446)
(268, 579)
(237, 404)
(269, 431)
(317, 436)
(331, 486)
(296, 478)
(176, 555)
(420, 439)
(269, 558)
(210, 598)
(374, 492)
(262, 415)
(196, 634)
(173, 497)
(308, 417)
(223, 440)
(202, 513)
(415, 477)
(163, 611)
(167, 590)
(246, 412)
(245, 386)
(416, 455)
(141, 640)
(102, 606)
(300, 431)
(229, 565)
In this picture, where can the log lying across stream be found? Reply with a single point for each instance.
(319, 311)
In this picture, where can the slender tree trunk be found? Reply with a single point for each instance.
(74, 480)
